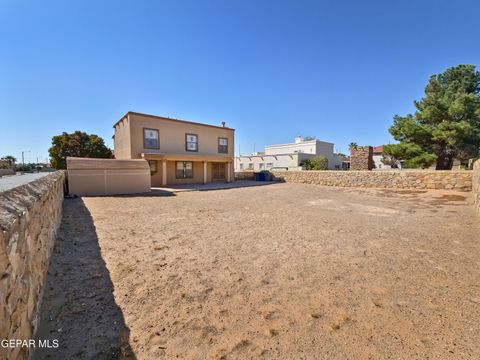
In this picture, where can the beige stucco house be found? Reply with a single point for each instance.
(177, 151)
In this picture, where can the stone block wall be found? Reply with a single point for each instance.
(244, 175)
(476, 184)
(406, 179)
(29, 218)
(361, 158)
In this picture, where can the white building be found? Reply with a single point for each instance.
(377, 158)
(288, 156)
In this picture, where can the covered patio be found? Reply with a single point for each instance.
(176, 169)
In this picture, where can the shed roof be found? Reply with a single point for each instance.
(78, 163)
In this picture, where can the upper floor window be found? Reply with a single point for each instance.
(223, 145)
(260, 166)
(151, 139)
(191, 142)
(241, 166)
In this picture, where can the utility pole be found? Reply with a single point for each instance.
(23, 156)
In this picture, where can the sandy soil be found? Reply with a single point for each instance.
(284, 271)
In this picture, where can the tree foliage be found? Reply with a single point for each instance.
(77, 144)
(446, 124)
(316, 163)
(26, 167)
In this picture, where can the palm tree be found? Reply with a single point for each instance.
(353, 145)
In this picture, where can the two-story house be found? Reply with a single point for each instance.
(177, 151)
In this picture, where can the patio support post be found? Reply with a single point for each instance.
(229, 175)
(204, 172)
(164, 172)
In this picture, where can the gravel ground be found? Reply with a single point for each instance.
(280, 271)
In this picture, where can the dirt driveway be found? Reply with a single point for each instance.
(284, 271)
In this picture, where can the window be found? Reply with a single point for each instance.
(250, 166)
(150, 139)
(223, 145)
(191, 142)
(269, 165)
(184, 170)
(241, 166)
(153, 166)
(260, 166)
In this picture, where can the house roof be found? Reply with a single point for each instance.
(378, 149)
(170, 119)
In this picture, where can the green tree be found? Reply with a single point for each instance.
(316, 163)
(25, 167)
(412, 154)
(353, 145)
(77, 144)
(446, 124)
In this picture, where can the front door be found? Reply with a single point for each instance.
(218, 171)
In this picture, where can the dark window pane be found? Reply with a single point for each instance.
(151, 143)
(191, 146)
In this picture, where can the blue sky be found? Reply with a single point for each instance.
(337, 70)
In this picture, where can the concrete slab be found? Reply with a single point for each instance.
(212, 186)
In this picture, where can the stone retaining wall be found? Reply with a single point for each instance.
(407, 179)
(244, 175)
(29, 218)
(476, 184)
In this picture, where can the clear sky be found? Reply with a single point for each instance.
(337, 70)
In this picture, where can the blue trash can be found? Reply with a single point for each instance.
(261, 176)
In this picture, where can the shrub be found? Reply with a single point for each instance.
(316, 163)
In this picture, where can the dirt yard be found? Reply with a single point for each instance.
(283, 271)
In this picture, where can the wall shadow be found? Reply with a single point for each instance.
(212, 186)
(78, 307)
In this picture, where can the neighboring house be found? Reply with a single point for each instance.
(288, 156)
(177, 151)
(345, 162)
(377, 158)
(260, 161)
